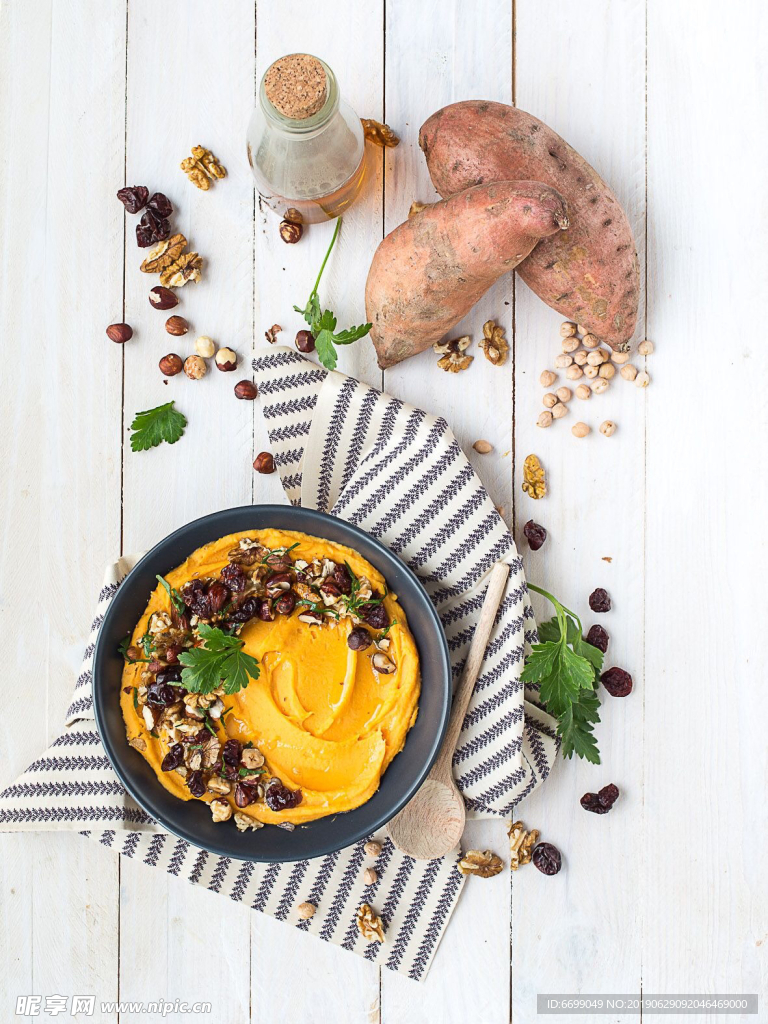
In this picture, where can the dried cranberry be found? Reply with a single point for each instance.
(342, 578)
(173, 759)
(617, 682)
(375, 615)
(196, 784)
(159, 227)
(234, 577)
(195, 598)
(143, 236)
(155, 666)
(359, 639)
(534, 534)
(598, 637)
(217, 596)
(599, 601)
(602, 802)
(244, 795)
(547, 858)
(249, 609)
(172, 674)
(231, 752)
(229, 771)
(279, 798)
(285, 604)
(160, 695)
(608, 795)
(161, 204)
(133, 198)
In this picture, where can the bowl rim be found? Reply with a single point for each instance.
(146, 799)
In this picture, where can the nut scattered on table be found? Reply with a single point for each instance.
(483, 863)
(171, 364)
(164, 254)
(204, 346)
(264, 463)
(453, 354)
(483, 447)
(494, 344)
(119, 333)
(645, 348)
(177, 326)
(564, 394)
(642, 380)
(570, 344)
(305, 341)
(188, 267)
(559, 410)
(202, 168)
(272, 333)
(293, 215)
(607, 427)
(607, 371)
(574, 372)
(521, 844)
(372, 848)
(589, 341)
(547, 378)
(591, 371)
(595, 358)
(194, 367)
(226, 359)
(628, 372)
(600, 385)
(306, 910)
(162, 298)
(246, 389)
(289, 232)
(583, 392)
(549, 400)
(545, 419)
(563, 361)
(370, 876)
(580, 429)
(379, 134)
(369, 924)
(534, 477)
(620, 358)
(567, 329)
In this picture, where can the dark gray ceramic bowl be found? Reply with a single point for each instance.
(191, 820)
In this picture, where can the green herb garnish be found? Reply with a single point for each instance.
(250, 771)
(123, 649)
(147, 643)
(352, 601)
(153, 426)
(317, 607)
(135, 699)
(176, 599)
(566, 668)
(322, 323)
(220, 662)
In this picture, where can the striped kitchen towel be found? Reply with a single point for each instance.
(397, 472)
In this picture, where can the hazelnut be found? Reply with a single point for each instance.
(580, 357)
(581, 329)
(583, 392)
(372, 848)
(171, 364)
(264, 463)
(595, 358)
(559, 410)
(628, 372)
(204, 346)
(567, 329)
(564, 394)
(290, 232)
(162, 298)
(177, 326)
(549, 400)
(579, 429)
(607, 427)
(194, 367)
(370, 875)
(226, 359)
(642, 380)
(483, 447)
(619, 358)
(574, 372)
(119, 333)
(600, 385)
(133, 653)
(545, 419)
(590, 341)
(645, 348)
(246, 389)
(305, 341)
(570, 344)
(306, 910)
(272, 333)
(293, 216)
(547, 378)
(562, 361)
(591, 371)
(607, 370)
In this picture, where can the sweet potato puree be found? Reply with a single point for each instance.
(325, 721)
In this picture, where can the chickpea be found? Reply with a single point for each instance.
(645, 348)
(547, 378)
(306, 910)
(628, 372)
(559, 410)
(619, 358)
(581, 329)
(567, 329)
(591, 371)
(600, 385)
(605, 353)
(570, 344)
(607, 370)
(549, 400)
(595, 358)
(589, 341)
(580, 357)
(562, 361)
(573, 372)
(545, 419)
(583, 392)
(579, 429)
(607, 427)
(564, 394)
(642, 380)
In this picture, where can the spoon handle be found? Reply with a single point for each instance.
(498, 580)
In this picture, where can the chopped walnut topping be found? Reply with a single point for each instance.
(211, 749)
(494, 344)
(219, 786)
(480, 862)
(138, 743)
(221, 810)
(521, 844)
(369, 924)
(379, 134)
(245, 821)
(453, 352)
(158, 622)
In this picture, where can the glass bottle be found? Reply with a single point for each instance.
(305, 144)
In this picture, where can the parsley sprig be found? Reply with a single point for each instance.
(566, 668)
(176, 599)
(352, 601)
(221, 661)
(322, 323)
(153, 426)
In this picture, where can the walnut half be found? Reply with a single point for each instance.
(494, 344)
(480, 862)
(379, 134)
(454, 358)
(369, 924)
(521, 844)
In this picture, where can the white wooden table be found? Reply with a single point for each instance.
(667, 98)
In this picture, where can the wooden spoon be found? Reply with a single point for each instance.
(431, 824)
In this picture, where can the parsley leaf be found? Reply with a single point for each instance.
(322, 323)
(151, 427)
(176, 599)
(566, 668)
(221, 661)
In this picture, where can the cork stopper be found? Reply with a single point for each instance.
(296, 85)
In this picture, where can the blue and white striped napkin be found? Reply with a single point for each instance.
(398, 473)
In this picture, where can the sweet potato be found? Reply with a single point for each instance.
(590, 272)
(430, 271)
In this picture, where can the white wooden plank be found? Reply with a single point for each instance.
(584, 76)
(190, 81)
(706, 911)
(438, 53)
(348, 36)
(61, 120)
